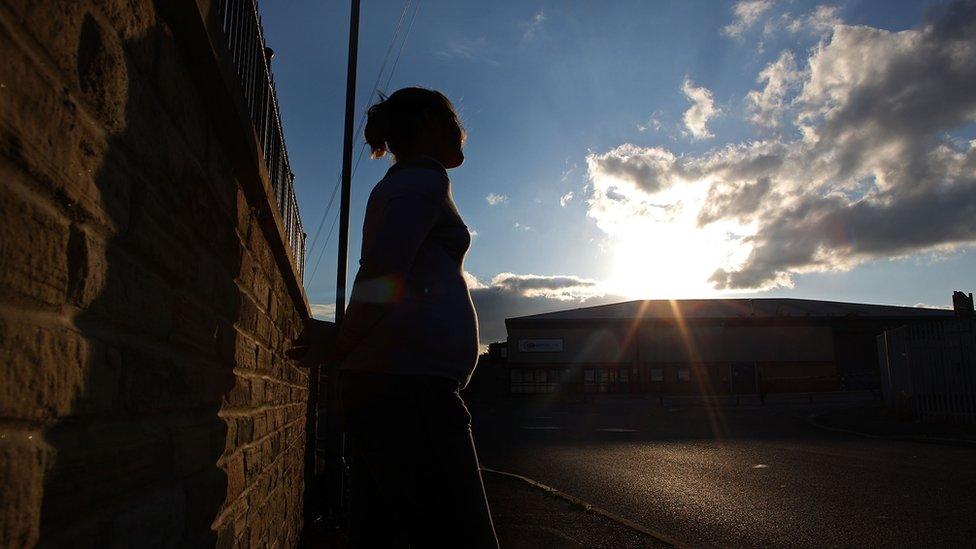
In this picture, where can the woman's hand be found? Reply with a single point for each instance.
(315, 345)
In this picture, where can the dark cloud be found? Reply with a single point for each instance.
(511, 295)
(733, 200)
(832, 232)
(648, 169)
(495, 304)
(528, 283)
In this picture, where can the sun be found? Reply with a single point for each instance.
(673, 258)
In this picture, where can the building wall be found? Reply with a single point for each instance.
(666, 343)
(665, 358)
(143, 314)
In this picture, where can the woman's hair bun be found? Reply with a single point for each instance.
(378, 128)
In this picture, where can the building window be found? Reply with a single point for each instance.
(533, 381)
(684, 374)
(657, 374)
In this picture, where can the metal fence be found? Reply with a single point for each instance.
(931, 367)
(244, 38)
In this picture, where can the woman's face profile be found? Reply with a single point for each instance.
(449, 144)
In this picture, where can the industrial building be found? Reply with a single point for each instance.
(703, 346)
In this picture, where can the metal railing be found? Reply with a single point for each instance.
(932, 366)
(244, 38)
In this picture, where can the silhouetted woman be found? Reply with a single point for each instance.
(409, 342)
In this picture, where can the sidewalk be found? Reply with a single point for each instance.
(529, 517)
(526, 517)
(871, 421)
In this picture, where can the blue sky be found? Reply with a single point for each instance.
(610, 127)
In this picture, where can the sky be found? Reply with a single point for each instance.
(668, 149)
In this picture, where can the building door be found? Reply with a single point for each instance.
(744, 380)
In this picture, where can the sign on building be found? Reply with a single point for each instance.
(540, 345)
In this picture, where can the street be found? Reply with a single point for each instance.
(737, 476)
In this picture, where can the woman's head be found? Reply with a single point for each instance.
(416, 122)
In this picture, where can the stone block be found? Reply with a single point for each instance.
(51, 365)
(34, 239)
(49, 136)
(23, 458)
(240, 395)
(235, 477)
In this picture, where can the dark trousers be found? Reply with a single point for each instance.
(415, 479)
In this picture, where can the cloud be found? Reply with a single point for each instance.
(568, 172)
(647, 169)
(556, 287)
(866, 166)
(509, 295)
(779, 78)
(495, 199)
(472, 281)
(521, 227)
(821, 20)
(927, 306)
(323, 311)
(564, 199)
(530, 28)
(701, 110)
(745, 14)
(653, 123)
(468, 49)
(733, 199)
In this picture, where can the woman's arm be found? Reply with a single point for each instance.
(392, 247)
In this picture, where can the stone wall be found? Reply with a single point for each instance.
(144, 307)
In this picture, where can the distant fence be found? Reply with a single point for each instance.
(931, 368)
(250, 55)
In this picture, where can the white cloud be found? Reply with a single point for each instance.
(530, 28)
(564, 199)
(468, 49)
(653, 123)
(927, 306)
(563, 177)
(495, 199)
(865, 168)
(779, 78)
(745, 14)
(821, 20)
(323, 311)
(702, 109)
(472, 281)
(521, 227)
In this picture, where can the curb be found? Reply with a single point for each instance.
(589, 507)
(812, 420)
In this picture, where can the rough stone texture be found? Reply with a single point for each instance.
(145, 398)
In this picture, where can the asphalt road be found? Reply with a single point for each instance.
(761, 476)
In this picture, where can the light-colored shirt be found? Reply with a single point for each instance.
(410, 312)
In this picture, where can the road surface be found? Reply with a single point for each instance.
(748, 476)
